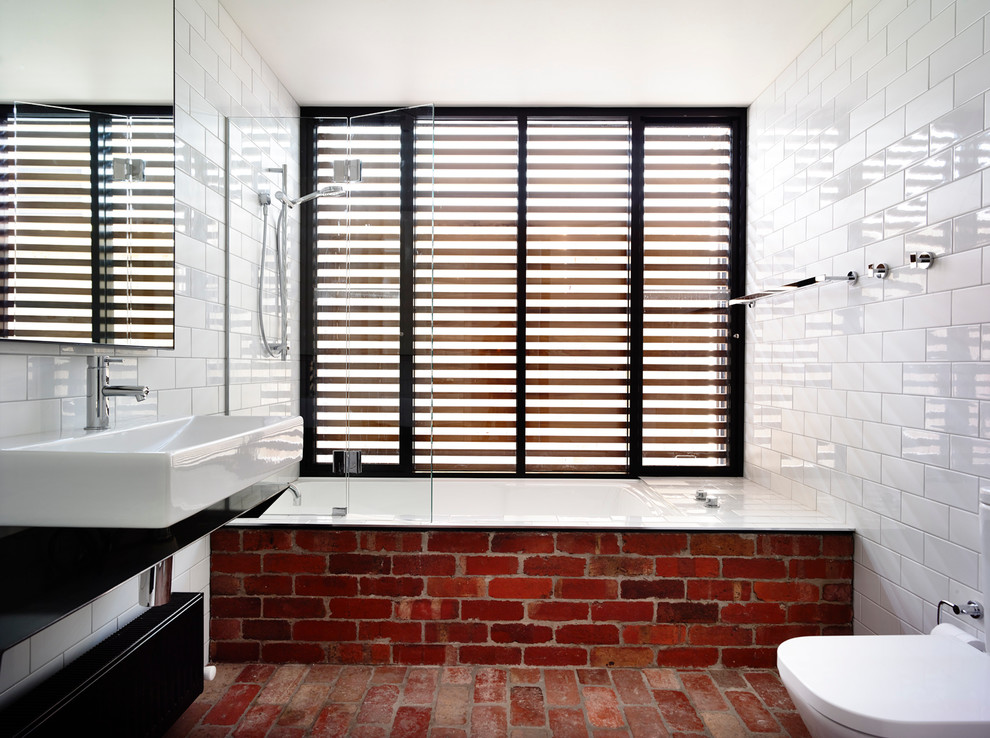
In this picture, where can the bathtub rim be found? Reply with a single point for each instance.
(821, 523)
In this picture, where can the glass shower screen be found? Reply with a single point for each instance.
(373, 283)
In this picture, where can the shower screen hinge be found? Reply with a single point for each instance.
(128, 170)
(346, 170)
(346, 462)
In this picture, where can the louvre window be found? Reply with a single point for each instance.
(577, 295)
(139, 269)
(71, 231)
(357, 295)
(466, 302)
(525, 293)
(685, 287)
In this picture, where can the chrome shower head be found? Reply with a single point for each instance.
(331, 191)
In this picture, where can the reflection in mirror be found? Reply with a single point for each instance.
(88, 205)
(87, 172)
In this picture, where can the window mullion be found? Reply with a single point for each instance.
(407, 294)
(521, 302)
(636, 277)
(100, 175)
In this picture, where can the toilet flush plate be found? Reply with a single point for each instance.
(895, 686)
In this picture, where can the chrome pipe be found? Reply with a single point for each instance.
(155, 584)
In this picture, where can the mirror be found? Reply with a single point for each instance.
(87, 172)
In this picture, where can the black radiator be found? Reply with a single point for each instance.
(137, 682)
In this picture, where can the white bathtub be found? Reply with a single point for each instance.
(655, 503)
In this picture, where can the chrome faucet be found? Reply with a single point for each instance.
(98, 389)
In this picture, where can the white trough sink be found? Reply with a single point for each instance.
(148, 476)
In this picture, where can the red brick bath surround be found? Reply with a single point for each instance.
(461, 597)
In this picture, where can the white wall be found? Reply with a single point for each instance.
(873, 401)
(218, 74)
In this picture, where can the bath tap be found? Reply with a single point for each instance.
(99, 389)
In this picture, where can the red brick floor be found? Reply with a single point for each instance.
(294, 700)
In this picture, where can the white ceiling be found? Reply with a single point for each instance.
(530, 52)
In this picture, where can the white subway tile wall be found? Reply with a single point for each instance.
(873, 145)
(218, 74)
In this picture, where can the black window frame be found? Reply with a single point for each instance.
(732, 117)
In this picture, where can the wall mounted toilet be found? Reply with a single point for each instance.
(912, 686)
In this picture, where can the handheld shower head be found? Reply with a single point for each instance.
(331, 191)
(279, 348)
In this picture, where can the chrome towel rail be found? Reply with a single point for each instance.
(851, 278)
